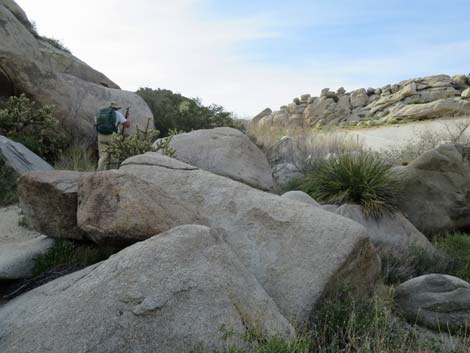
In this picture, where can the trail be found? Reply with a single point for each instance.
(383, 137)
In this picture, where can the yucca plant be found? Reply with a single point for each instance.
(363, 179)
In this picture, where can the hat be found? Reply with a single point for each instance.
(116, 106)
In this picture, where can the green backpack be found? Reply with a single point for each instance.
(106, 121)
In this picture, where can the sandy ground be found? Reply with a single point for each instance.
(10, 231)
(383, 137)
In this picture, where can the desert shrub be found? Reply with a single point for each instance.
(7, 185)
(68, 254)
(310, 144)
(123, 147)
(77, 158)
(56, 43)
(173, 111)
(363, 179)
(32, 125)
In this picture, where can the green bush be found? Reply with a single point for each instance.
(123, 147)
(32, 125)
(362, 179)
(56, 43)
(172, 111)
(68, 254)
(7, 186)
(452, 258)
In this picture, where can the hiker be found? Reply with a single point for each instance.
(107, 121)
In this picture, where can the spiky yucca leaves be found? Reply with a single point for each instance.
(363, 179)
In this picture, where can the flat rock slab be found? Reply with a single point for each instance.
(18, 246)
(227, 152)
(174, 293)
(19, 158)
(437, 301)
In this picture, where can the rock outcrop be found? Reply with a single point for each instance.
(297, 253)
(391, 232)
(50, 75)
(49, 203)
(227, 152)
(173, 293)
(19, 158)
(115, 208)
(439, 302)
(416, 99)
(437, 190)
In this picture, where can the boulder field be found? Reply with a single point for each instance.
(430, 97)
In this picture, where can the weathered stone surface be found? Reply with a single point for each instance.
(284, 173)
(301, 196)
(19, 158)
(265, 230)
(390, 232)
(49, 75)
(171, 293)
(49, 203)
(359, 98)
(115, 208)
(449, 107)
(437, 301)
(227, 152)
(437, 189)
(466, 93)
(261, 115)
(18, 246)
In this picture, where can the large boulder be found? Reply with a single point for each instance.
(437, 190)
(302, 197)
(29, 64)
(49, 203)
(19, 158)
(227, 152)
(441, 108)
(392, 232)
(18, 246)
(297, 253)
(174, 293)
(439, 302)
(115, 208)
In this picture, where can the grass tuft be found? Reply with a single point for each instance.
(362, 179)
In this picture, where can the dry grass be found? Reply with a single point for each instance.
(310, 144)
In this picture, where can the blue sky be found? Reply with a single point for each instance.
(248, 55)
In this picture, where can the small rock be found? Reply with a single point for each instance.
(437, 301)
(466, 93)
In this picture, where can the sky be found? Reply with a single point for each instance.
(248, 55)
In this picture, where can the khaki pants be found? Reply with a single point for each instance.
(104, 161)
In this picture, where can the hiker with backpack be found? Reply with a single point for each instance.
(107, 121)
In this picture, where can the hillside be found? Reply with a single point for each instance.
(414, 99)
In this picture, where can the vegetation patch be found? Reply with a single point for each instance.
(32, 125)
(363, 179)
(172, 111)
(8, 194)
(452, 258)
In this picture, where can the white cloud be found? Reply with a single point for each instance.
(177, 45)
